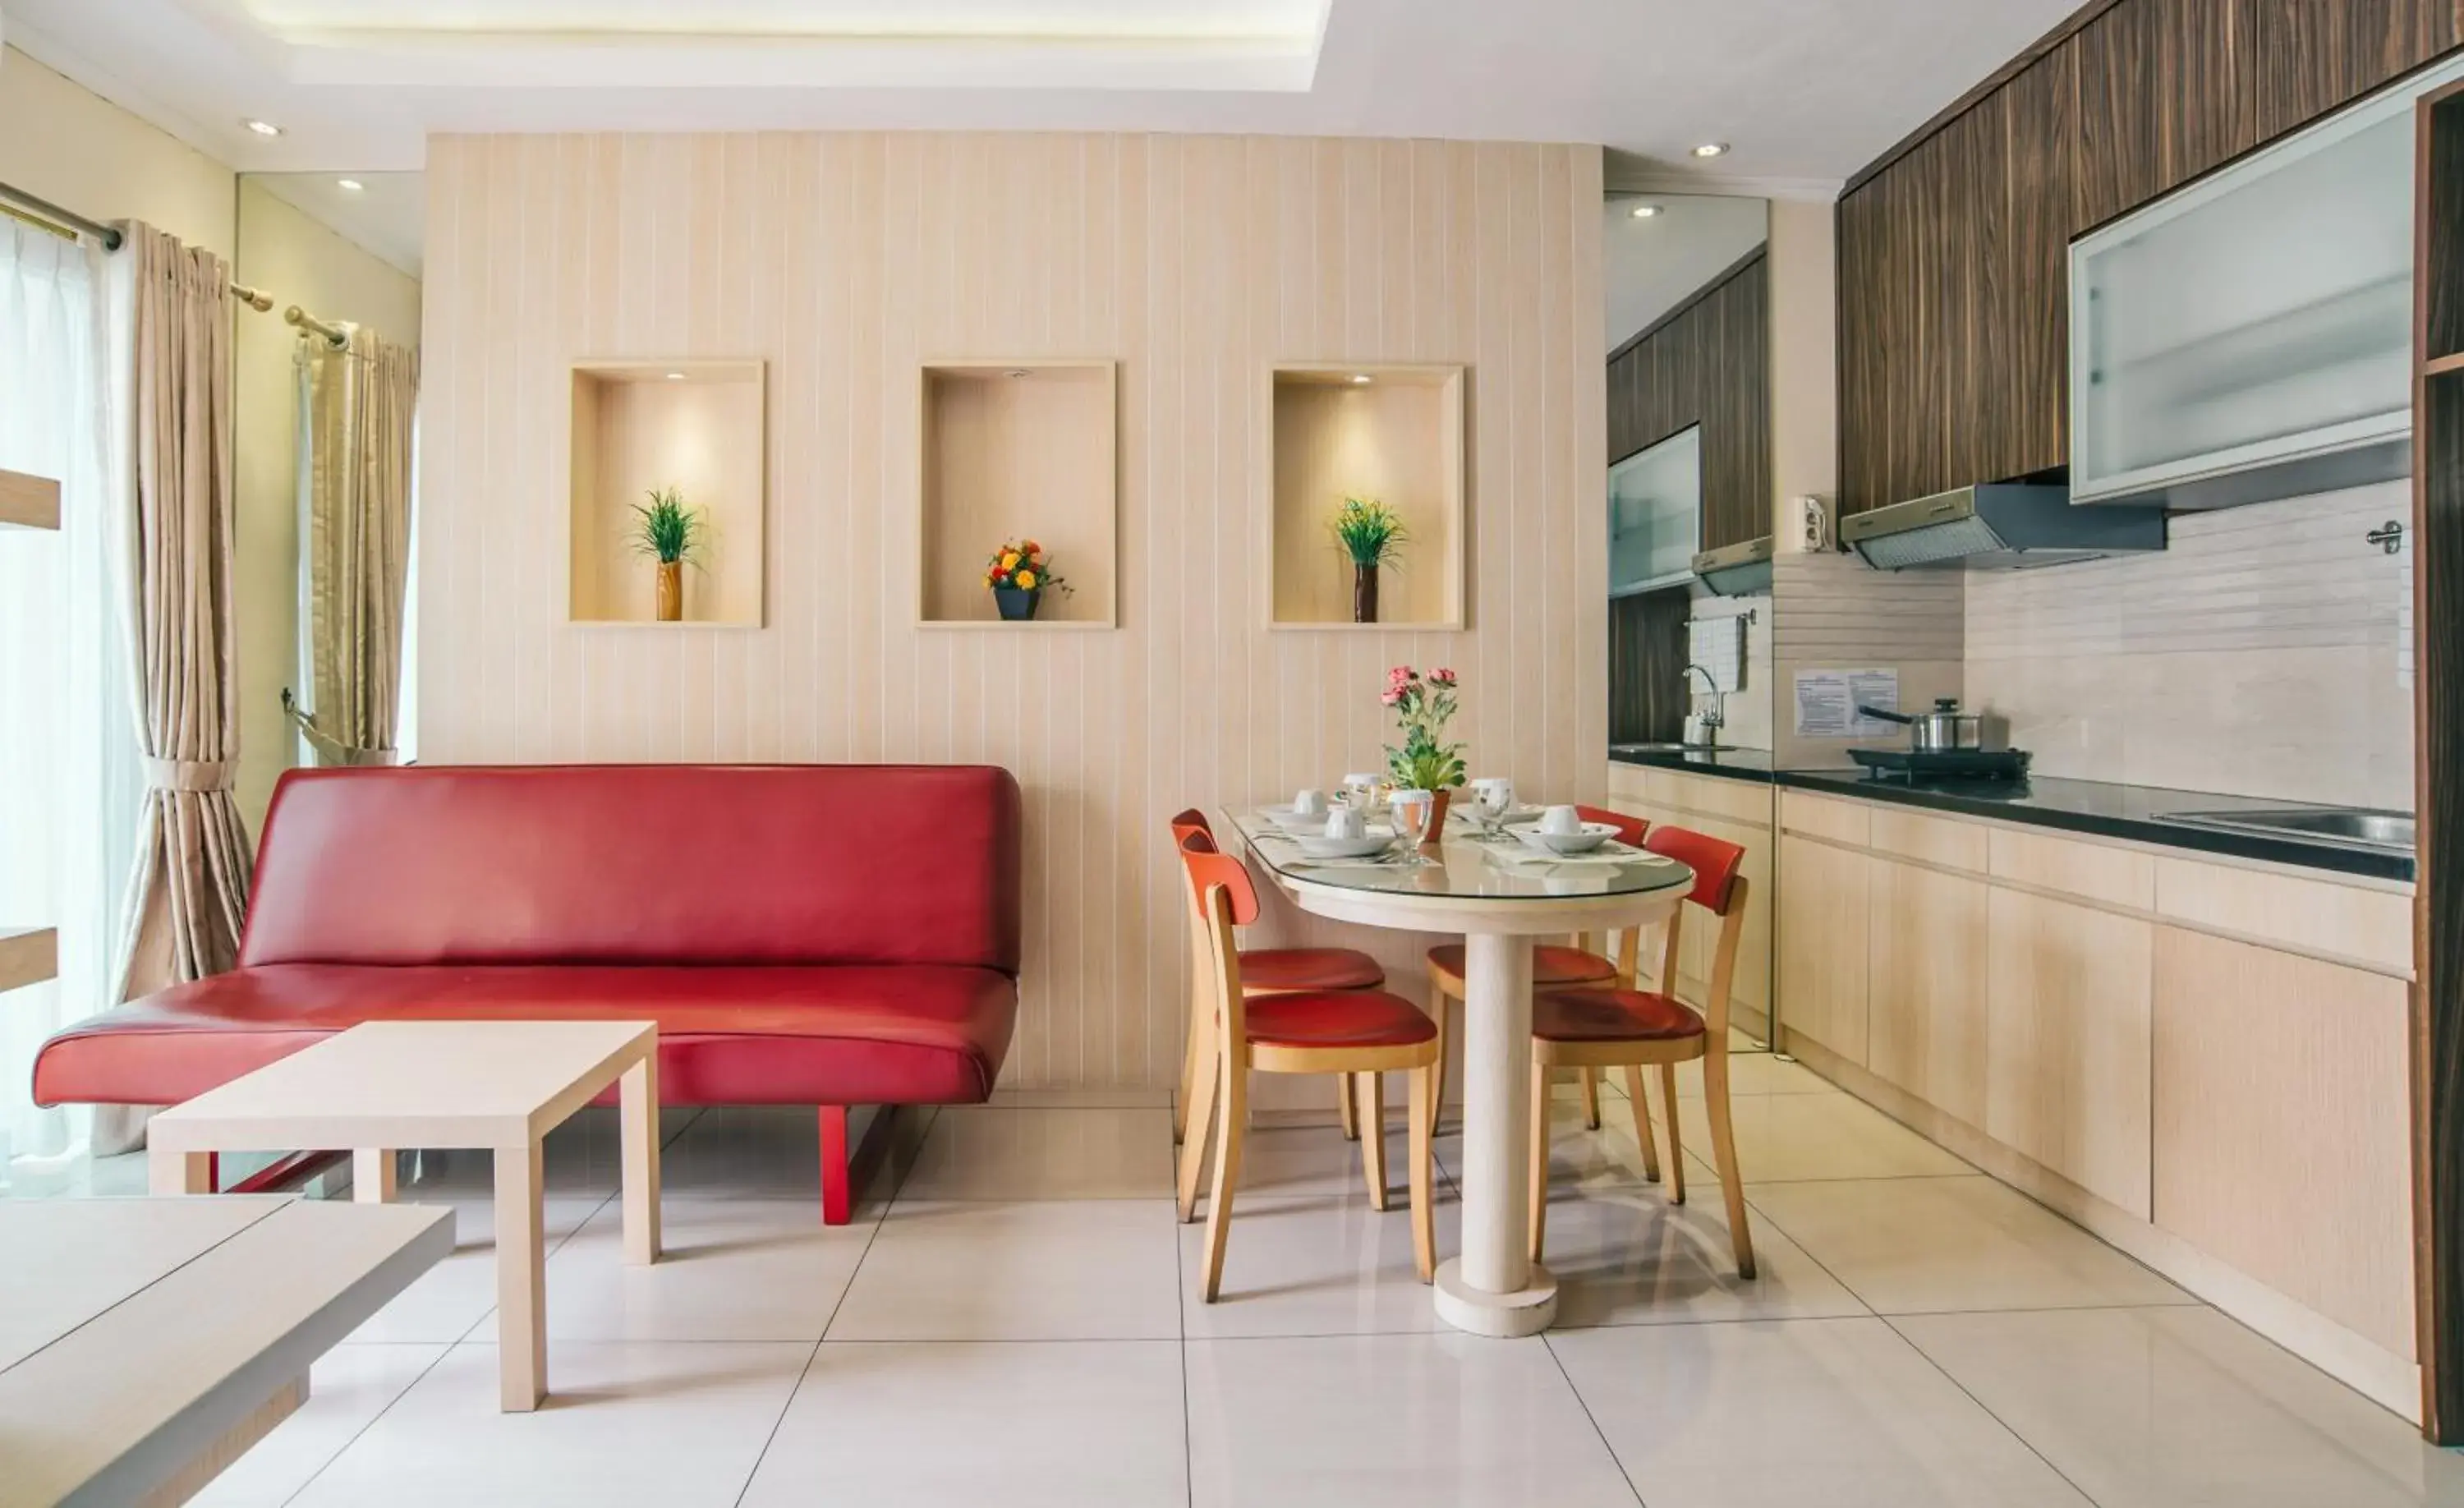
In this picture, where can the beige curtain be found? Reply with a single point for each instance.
(355, 411)
(189, 889)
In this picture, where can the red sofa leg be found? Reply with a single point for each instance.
(838, 1191)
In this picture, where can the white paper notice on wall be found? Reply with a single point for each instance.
(1827, 703)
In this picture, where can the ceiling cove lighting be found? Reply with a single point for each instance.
(675, 377)
(1712, 150)
(1644, 211)
(1359, 379)
(349, 185)
(263, 127)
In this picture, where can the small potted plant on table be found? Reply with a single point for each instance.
(670, 533)
(1424, 762)
(1020, 574)
(1371, 536)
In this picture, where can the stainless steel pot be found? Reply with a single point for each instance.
(1945, 729)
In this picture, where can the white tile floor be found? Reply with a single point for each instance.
(1016, 1322)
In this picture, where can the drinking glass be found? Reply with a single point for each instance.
(1493, 804)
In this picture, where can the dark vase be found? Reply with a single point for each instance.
(1364, 593)
(1016, 604)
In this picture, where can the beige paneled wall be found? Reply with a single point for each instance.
(1832, 613)
(845, 261)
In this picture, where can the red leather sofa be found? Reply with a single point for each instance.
(829, 936)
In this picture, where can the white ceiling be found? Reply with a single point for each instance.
(386, 216)
(1806, 91)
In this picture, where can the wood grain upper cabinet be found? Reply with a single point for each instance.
(1706, 362)
(2310, 57)
(1925, 1018)
(2165, 93)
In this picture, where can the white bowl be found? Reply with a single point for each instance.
(1318, 845)
(1292, 821)
(1593, 835)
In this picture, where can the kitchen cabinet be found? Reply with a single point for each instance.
(1822, 944)
(2230, 341)
(1952, 267)
(1925, 1026)
(1708, 364)
(1733, 811)
(2204, 1062)
(2282, 1141)
(2067, 1030)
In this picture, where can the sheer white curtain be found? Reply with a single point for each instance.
(70, 785)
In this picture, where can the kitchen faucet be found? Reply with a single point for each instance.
(1717, 717)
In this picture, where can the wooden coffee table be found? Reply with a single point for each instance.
(498, 1086)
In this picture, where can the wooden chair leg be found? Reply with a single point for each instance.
(1232, 1107)
(1675, 1182)
(1346, 1103)
(1372, 1095)
(1424, 1215)
(1649, 1143)
(1591, 1077)
(1197, 1078)
(1193, 1145)
(1439, 1009)
(1539, 1173)
(1724, 1157)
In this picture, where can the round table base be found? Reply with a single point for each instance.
(1527, 1311)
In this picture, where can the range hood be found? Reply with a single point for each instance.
(1997, 526)
(1737, 570)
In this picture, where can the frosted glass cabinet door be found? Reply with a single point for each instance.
(1655, 514)
(2261, 315)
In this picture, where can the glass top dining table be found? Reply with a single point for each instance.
(1500, 895)
(1471, 863)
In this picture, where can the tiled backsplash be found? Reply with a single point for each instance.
(2267, 651)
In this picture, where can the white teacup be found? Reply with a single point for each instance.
(1309, 803)
(1561, 821)
(1347, 821)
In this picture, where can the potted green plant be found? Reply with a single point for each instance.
(1424, 762)
(1020, 573)
(672, 534)
(1371, 536)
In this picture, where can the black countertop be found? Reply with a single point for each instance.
(1736, 764)
(2109, 811)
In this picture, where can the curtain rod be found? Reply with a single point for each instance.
(303, 319)
(60, 218)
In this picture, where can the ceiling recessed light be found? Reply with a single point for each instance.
(1646, 211)
(675, 377)
(349, 185)
(1360, 377)
(1712, 150)
(263, 127)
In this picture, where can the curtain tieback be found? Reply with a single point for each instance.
(191, 775)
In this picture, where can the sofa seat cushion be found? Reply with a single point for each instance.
(927, 1034)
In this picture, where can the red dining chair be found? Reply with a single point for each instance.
(1363, 1033)
(1266, 970)
(1554, 966)
(1633, 1028)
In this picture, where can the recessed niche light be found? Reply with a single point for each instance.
(1712, 150)
(263, 127)
(675, 377)
(1644, 211)
(349, 185)
(1360, 378)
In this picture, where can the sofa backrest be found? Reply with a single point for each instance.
(640, 864)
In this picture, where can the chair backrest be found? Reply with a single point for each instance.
(1719, 889)
(1225, 897)
(676, 864)
(1210, 866)
(1192, 821)
(1630, 830)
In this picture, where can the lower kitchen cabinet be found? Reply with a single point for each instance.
(1822, 944)
(1735, 812)
(2067, 1040)
(1926, 1020)
(2283, 1133)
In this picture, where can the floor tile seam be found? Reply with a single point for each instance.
(1986, 1410)
(443, 1351)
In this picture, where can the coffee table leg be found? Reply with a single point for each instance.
(179, 1172)
(521, 1279)
(372, 1175)
(638, 1096)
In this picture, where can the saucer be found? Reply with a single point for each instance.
(1318, 845)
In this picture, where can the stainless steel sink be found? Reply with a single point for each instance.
(2343, 828)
